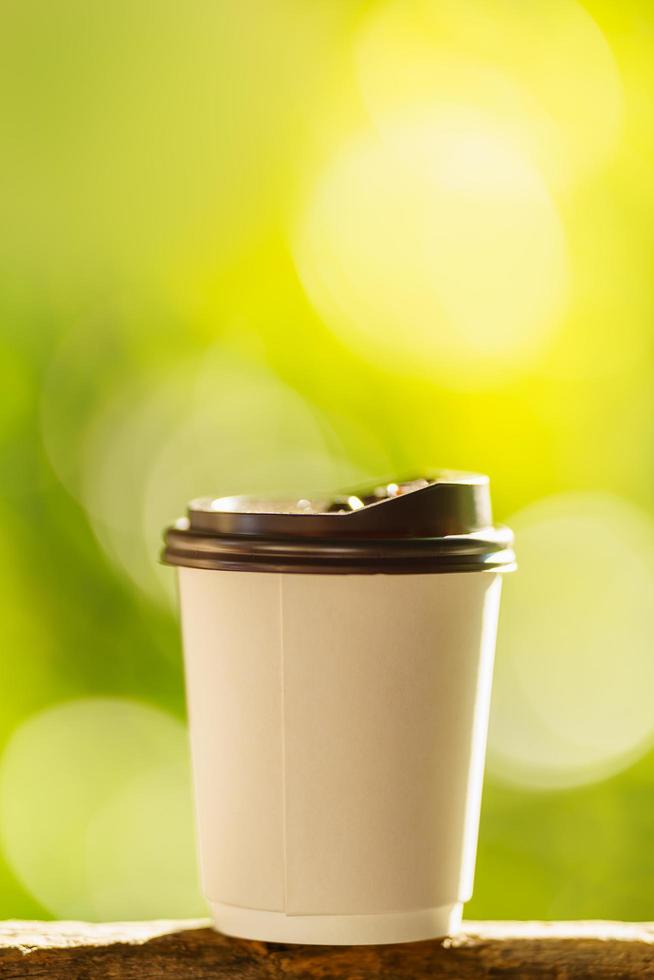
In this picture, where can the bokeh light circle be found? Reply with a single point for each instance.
(436, 247)
(218, 425)
(546, 71)
(96, 811)
(574, 676)
(158, 883)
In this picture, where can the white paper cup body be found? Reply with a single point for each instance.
(338, 730)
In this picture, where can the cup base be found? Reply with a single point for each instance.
(338, 930)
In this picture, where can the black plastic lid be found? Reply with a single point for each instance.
(439, 523)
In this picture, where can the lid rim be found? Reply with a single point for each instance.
(502, 565)
(458, 552)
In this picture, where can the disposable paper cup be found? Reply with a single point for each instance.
(338, 668)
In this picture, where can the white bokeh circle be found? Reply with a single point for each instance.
(574, 676)
(96, 811)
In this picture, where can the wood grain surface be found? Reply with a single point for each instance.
(190, 950)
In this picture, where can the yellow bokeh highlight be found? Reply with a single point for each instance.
(436, 247)
(545, 71)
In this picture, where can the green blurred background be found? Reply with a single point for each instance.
(279, 245)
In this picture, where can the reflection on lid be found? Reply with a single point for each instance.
(345, 504)
(342, 504)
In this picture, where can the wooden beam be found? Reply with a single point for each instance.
(189, 950)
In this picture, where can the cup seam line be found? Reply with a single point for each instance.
(283, 737)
